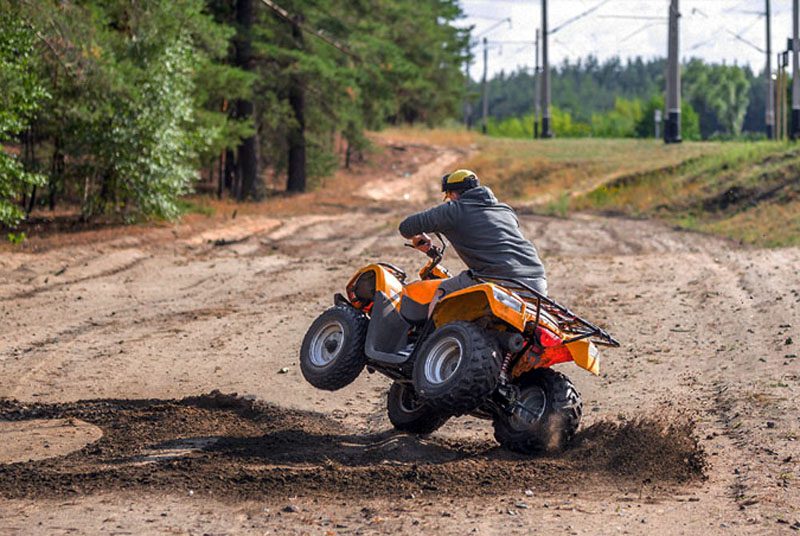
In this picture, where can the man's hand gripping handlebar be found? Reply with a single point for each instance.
(423, 243)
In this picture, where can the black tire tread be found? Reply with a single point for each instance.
(564, 402)
(478, 379)
(349, 363)
(425, 421)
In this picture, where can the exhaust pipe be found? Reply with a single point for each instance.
(511, 342)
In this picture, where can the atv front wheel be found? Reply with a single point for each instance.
(332, 354)
(546, 416)
(408, 414)
(456, 368)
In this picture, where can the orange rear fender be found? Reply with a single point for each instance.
(477, 301)
(385, 282)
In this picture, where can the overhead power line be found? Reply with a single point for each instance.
(578, 16)
(635, 17)
(494, 26)
(319, 34)
(745, 41)
(512, 42)
(640, 30)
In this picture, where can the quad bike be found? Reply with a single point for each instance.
(486, 350)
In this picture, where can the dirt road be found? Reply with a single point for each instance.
(111, 335)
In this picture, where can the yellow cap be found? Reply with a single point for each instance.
(461, 179)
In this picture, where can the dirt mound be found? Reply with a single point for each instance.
(228, 445)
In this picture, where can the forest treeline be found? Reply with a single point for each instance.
(616, 98)
(116, 105)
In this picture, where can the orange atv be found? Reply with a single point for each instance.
(486, 350)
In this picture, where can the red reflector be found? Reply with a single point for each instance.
(547, 338)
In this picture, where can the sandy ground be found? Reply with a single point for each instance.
(109, 333)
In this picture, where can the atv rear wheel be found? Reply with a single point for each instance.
(408, 414)
(456, 368)
(546, 417)
(332, 354)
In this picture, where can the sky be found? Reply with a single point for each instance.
(706, 30)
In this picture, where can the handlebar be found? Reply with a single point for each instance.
(436, 254)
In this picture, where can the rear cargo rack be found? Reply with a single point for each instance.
(571, 324)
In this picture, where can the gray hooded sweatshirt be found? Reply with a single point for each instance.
(484, 232)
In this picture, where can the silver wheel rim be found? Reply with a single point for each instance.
(530, 408)
(443, 360)
(408, 401)
(326, 344)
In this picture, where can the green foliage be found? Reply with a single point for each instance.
(522, 127)
(147, 151)
(558, 207)
(720, 94)
(727, 99)
(123, 102)
(17, 238)
(620, 122)
(195, 206)
(628, 119)
(563, 124)
(136, 100)
(404, 67)
(581, 88)
(690, 122)
(20, 97)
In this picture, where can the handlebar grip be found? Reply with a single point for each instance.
(433, 252)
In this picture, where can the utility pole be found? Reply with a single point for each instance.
(545, 87)
(536, 102)
(672, 126)
(783, 62)
(778, 99)
(770, 104)
(795, 70)
(484, 86)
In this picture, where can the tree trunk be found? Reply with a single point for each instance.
(31, 202)
(297, 138)
(30, 165)
(57, 166)
(230, 172)
(221, 175)
(251, 184)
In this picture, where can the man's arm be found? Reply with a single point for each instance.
(438, 219)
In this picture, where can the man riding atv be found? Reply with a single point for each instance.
(484, 232)
(485, 347)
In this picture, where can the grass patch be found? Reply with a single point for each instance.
(558, 207)
(747, 192)
(196, 205)
(540, 171)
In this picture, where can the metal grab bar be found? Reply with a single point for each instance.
(566, 318)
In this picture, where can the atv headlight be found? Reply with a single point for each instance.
(507, 299)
